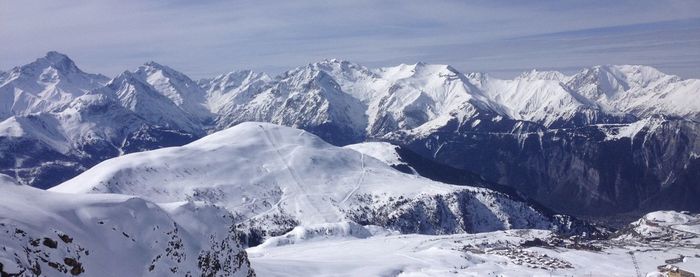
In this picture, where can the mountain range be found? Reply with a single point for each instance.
(608, 139)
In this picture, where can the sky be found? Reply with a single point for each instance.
(205, 38)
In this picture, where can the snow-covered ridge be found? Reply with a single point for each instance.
(399, 97)
(359, 102)
(294, 178)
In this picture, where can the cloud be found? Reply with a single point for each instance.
(205, 38)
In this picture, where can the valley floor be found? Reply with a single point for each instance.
(485, 254)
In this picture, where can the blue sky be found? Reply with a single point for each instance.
(206, 38)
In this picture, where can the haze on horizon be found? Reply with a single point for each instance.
(206, 38)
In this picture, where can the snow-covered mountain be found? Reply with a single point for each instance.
(228, 91)
(306, 98)
(55, 234)
(46, 84)
(527, 133)
(133, 92)
(275, 178)
(639, 90)
(125, 115)
(176, 86)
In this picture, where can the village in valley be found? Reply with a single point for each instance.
(663, 243)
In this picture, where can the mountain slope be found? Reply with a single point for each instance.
(128, 114)
(180, 89)
(275, 178)
(235, 88)
(54, 234)
(602, 169)
(134, 93)
(47, 148)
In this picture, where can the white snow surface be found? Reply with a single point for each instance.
(484, 254)
(383, 151)
(227, 91)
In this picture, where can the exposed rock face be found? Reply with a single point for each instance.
(648, 165)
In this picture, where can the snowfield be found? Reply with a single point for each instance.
(499, 253)
(383, 151)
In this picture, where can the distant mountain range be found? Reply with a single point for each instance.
(607, 139)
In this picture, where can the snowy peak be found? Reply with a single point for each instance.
(314, 100)
(610, 80)
(227, 91)
(303, 97)
(639, 90)
(354, 79)
(538, 97)
(224, 83)
(412, 95)
(342, 69)
(543, 75)
(417, 70)
(599, 81)
(59, 61)
(137, 95)
(176, 86)
(55, 66)
(634, 75)
(46, 84)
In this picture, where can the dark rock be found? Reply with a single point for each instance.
(50, 243)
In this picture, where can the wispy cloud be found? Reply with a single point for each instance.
(204, 38)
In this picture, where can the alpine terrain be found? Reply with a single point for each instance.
(336, 169)
(609, 138)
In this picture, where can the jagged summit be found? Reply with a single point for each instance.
(47, 83)
(61, 61)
